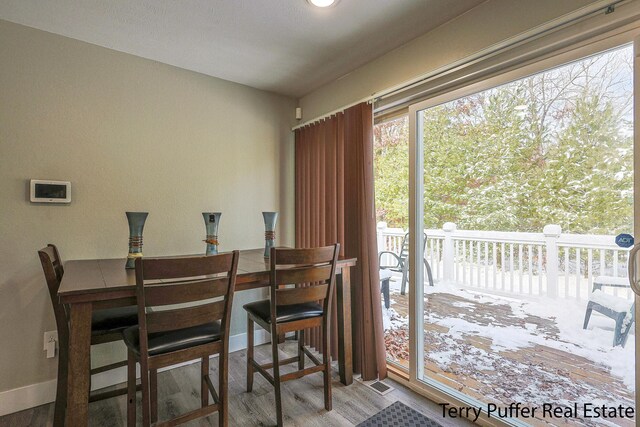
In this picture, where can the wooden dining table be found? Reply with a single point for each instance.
(95, 284)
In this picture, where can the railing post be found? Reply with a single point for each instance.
(551, 234)
(381, 226)
(448, 252)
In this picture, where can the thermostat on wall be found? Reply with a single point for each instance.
(50, 191)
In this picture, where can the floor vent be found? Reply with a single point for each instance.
(380, 387)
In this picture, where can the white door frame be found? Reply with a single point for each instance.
(416, 198)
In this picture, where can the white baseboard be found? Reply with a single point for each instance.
(30, 396)
(27, 397)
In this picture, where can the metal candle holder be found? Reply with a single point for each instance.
(270, 219)
(136, 225)
(211, 221)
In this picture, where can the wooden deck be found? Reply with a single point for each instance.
(532, 375)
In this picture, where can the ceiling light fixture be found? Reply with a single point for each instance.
(322, 3)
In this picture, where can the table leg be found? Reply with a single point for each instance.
(79, 364)
(345, 362)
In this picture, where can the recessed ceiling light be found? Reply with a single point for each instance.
(322, 3)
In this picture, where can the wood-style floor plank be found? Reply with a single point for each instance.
(303, 404)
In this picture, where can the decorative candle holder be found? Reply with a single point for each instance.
(211, 221)
(270, 219)
(136, 225)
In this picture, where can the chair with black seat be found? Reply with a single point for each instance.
(184, 310)
(106, 326)
(295, 309)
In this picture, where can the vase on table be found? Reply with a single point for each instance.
(136, 225)
(270, 219)
(211, 221)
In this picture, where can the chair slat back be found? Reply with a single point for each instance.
(308, 256)
(195, 280)
(307, 274)
(185, 317)
(405, 249)
(314, 269)
(301, 295)
(186, 267)
(169, 294)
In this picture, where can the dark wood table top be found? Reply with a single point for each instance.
(108, 276)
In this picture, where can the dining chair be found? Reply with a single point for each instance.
(295, 309)
(106, 326)
(184, 310)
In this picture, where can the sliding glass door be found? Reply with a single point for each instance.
(523, 187)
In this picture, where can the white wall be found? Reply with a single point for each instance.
(130, 134)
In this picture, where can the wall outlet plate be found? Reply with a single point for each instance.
(50, 342)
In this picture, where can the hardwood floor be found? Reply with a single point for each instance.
(302, 399)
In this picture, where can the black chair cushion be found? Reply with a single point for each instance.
(113, 319)
(286, 313)
(165, 342)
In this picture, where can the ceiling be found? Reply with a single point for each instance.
(283, 46)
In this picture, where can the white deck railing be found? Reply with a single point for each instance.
(549, 263)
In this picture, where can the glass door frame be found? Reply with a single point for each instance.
(416, 199)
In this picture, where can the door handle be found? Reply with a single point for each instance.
(633, 276)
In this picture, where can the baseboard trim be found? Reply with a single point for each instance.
(30, 396)
(26, 397)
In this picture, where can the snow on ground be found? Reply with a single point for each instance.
(595, 343)
(516, 323)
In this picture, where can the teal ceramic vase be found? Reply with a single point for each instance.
(270, 219)
(211, 221)
(136, 225)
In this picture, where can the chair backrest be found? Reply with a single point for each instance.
(53, 272)
(404, 250)
(207, 282)
(314, 268)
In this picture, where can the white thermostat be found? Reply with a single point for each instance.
(43, 191)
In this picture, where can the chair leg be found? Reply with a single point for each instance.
(625, 335)
(385, 293)
(300, 351)
(404, 278)
(618, 335)
(249, 354)
(131, 389)
(429, 275)
(587, 316)
(61, 389)
(204, 388)
(153, 394)
(146, 404)
(223, 388)
(276, 375)
(326, 359)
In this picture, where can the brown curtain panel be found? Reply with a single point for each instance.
(335, 203)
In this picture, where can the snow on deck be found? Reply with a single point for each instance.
(499, 349)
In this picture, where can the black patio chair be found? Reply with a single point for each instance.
(615, 308)
(402, 264)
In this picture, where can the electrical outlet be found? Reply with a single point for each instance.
(50, 341)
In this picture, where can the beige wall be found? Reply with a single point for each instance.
(130, 134)
(491, 22)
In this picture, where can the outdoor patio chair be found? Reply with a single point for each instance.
(619, 309)
(402, 265)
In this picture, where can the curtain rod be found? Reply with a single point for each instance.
(501, 47)
(493, 50)
(331, 113)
